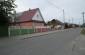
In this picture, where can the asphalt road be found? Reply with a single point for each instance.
(51, 44)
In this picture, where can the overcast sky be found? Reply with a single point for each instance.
(73, 9)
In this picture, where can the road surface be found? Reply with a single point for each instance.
(58, 43)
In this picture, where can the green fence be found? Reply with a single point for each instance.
(3, 31)
(20, 31)
(24, 31)
(14, 32)
(31, 31)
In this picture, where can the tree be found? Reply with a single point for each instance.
(6, 8)
(49, 23)
(83, 25)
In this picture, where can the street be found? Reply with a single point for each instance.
(58, 43)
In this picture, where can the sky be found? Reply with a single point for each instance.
(73, 9)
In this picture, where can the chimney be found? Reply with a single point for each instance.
(29, 9)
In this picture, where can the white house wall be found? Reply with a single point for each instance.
(37, 16)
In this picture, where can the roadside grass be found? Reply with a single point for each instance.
(83, 32)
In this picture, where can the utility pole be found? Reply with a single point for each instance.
(83, 18)
(79, 24)
(72, 20)
(15, 16)
(61, 10)
(64, 18)
(69, 22)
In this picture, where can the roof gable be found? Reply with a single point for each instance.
(38, 16)
(27, 15)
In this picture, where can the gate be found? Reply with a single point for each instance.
(3, 31)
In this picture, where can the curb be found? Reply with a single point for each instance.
(2, 43)
(40, 35)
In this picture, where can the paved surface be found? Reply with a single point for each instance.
(79, 46)
(5, 40)
(60, 43)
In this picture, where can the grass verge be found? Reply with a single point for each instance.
(83, 32)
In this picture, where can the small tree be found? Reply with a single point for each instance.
(6, 8)
(49, 23)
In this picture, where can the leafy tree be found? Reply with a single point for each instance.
(49, 23)
(6, 8)
(83, 25)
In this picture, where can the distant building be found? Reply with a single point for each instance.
(54, 22)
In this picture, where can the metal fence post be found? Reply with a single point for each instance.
(20, 30)
(28, 30)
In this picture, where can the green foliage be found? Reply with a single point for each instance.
(83, 32)
(3, 31)
(6, 8)
(67, 25)
(49, 23)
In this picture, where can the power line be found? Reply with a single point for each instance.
(53, 5)
(58, 8)
(62, 10)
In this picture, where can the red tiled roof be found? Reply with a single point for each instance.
(27, 15)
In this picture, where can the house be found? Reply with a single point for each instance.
(54, 22)
(31, 17)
